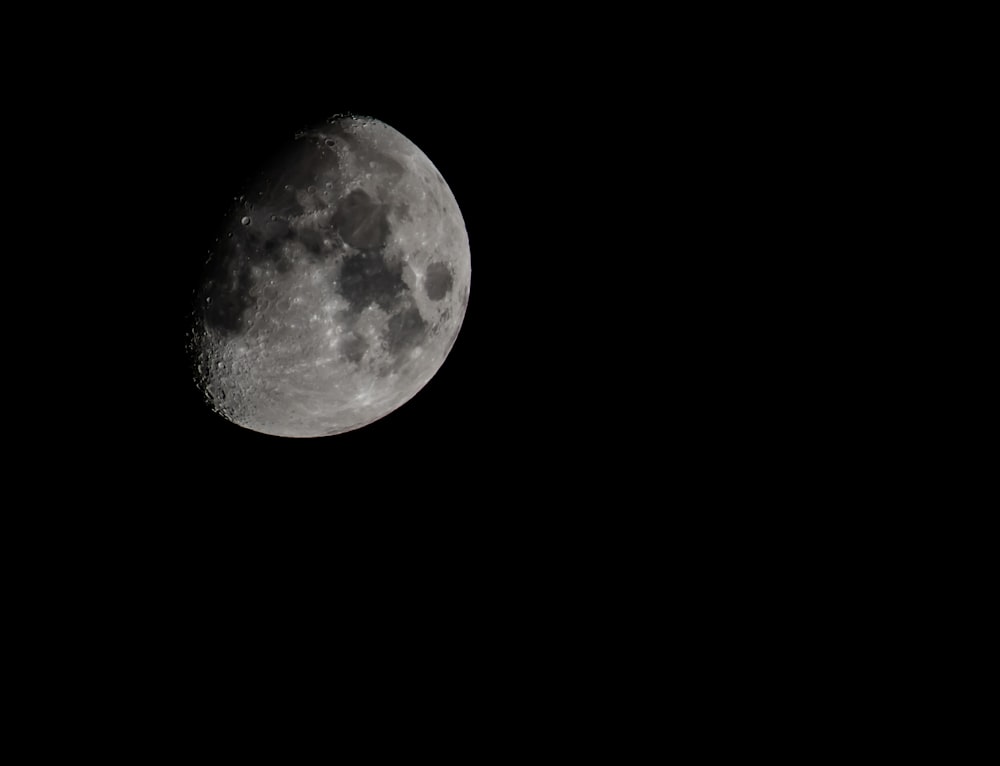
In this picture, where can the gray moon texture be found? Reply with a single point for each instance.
(338, 287)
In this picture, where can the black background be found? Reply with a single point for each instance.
(592, 167)
(592, 161)
(536, 146)
(603, 452)
(581, 446)
(514, 477)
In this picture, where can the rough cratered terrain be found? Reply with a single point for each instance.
(339, 287)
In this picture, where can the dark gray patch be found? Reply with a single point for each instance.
(292, 168)
(224, 299)
(258, 245)
(354, 348)
(361, 221)
(347, 318)
(437, 281)
(366, 278)
(311, 240)
(388, 165)
(406, 330)
(290, 208)
(269, 248)
(275, 227)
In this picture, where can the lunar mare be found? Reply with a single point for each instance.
(339, 288)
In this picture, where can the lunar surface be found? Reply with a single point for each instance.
(338, 288)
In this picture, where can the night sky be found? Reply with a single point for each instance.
(510, 142)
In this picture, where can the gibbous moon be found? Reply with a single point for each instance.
(338, 288)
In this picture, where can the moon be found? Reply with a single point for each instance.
(338, 288)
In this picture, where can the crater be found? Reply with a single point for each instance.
(437, 281)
